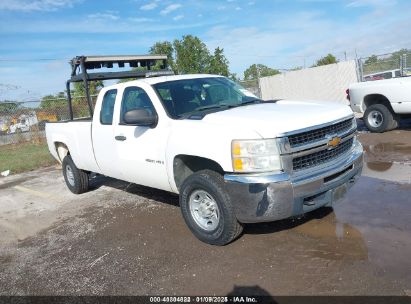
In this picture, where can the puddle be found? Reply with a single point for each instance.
(399, 172)
(377, 214)
(334, 239)
(372, 224)
(388, 152)
(389, 161)
(388, 147)
(379, 166)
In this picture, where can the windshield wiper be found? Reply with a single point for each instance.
(204, 108)
(255, 100)
(215, 106)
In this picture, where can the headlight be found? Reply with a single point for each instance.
(357, 145)
(255, 155)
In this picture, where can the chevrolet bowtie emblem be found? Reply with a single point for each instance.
(334, 142)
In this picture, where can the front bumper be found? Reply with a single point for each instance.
(265, 198)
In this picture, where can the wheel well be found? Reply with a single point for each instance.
(373, 99)
(62, 150)
(185, 165)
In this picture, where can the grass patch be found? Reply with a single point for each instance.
(25, 157)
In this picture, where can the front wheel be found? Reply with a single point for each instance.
(76, 179)
(207, 209)
(378, 118)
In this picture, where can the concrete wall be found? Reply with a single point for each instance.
(324, 83)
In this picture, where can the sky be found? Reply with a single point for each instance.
(39, 37)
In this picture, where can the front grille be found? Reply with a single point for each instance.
(319, 134)
(321, 157)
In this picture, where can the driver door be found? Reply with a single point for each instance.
(140, 149)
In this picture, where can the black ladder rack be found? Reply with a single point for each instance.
(81, 65)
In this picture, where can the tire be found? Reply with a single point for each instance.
(76, 179)
(198, 190)
(378, 118)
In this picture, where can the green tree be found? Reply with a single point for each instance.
(219, 63)
(255, 71)
(329, 59)
(80, 90)
(374, 64)
(8, 106)
(192, 55)
(234, 77)
(164, 48)
(79, 99)
(53, 101)
(372, 59)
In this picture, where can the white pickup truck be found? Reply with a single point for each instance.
(383, 102)
(230, 156)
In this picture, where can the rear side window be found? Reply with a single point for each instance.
(107, 107)
(135, 98)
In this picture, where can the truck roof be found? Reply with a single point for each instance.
(160, 79)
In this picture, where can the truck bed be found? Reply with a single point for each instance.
(76, 135)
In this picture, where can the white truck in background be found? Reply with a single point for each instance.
(24, 123)
(383, 102)
(231, 157)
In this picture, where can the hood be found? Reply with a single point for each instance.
(273, 119)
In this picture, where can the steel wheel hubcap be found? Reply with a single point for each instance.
(375, 119)
(204, 210)
(70, 175)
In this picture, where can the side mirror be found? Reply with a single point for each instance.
(141, 117)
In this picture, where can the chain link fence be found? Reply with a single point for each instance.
(385, 66)
(23, 143)
(25, 121)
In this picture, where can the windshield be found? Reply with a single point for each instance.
(190, 96)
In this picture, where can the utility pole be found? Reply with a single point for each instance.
(258, 80)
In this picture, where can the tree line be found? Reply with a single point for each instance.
(375, 63)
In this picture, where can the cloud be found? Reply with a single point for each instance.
(149, 6)
(170, 8)
(106, 15)
(178, 17)
(36, 5)
(140, 19)
(373, 3)
(94, 25)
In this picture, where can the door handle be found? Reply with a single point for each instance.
(120, 138)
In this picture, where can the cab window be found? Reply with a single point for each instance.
(107, 107)
(135, 98)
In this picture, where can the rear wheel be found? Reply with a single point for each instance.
(76, 179)
(207, 209)
(378, 118)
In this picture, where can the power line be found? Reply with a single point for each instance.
(31, 60)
